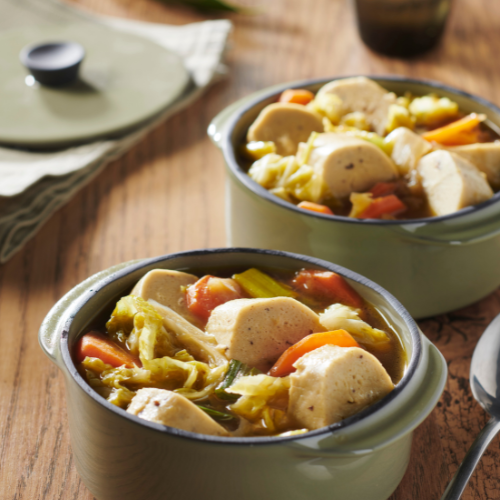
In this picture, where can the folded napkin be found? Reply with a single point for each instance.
(34, 185)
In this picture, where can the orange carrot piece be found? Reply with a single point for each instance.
(325, 285)
(96, 345)
(297, 96)
(381, 206)
(383, 189)
(460, 132)
(284, 365)
(209, 292)
(315, 207)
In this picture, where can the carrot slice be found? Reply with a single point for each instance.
(460, 132)
(327, 285)
(96, 345)
(315, 207)
(284, 365)
(209, 292)
(381, 206)
(383, 189)
(297, 96)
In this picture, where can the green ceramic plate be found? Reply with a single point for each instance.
(124, 81)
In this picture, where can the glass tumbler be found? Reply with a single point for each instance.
(401, 28)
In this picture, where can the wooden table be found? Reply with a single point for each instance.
(167, 194)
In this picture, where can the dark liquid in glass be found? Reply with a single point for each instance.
(401, 28)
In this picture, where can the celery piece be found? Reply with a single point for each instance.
(261, 286)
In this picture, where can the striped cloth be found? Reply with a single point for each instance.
(34, 185)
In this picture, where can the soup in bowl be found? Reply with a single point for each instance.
(355, 149)
(382, 197)
(166, 391)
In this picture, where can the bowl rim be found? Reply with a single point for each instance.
(231, 158)
(409, 322)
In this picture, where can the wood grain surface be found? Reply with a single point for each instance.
(167, 194)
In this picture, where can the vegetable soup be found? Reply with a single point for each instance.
(261, 352)
(356, 150)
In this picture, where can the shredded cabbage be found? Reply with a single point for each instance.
(327, 105)
(286, 177)
(399, 116)
(341, 317)
(201, 344)
(273, 170)
(263, 401)
(255, 150)
(136, 322)
(357, 119)
(305, 151)
(193, 379)
(431, 110)
(372, 137)
(282, 193)
(404, 100)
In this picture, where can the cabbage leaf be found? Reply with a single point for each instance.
(431, 110)
(341, 317)
(193, 379)
(327, 105)
(200, 344)
(263, 402)
(138, 324)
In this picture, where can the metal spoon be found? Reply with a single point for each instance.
(485, 385)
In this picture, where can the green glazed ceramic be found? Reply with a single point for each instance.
(124, 80)
(122, 457)
(431, 265)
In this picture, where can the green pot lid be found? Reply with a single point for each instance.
(124, 81)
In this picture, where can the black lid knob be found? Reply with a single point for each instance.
(53, 63)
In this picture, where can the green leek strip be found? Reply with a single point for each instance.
(217, 415)
(232, 371)
(236, 370)
(261, 286)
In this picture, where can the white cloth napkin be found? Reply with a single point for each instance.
(34, 185)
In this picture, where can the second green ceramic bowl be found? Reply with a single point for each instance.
(431, 265)
(123, 457)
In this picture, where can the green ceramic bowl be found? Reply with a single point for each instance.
(122, 457)
(431, 265)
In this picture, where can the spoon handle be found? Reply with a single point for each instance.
(457, 485)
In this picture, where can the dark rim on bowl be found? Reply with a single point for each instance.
(231, 157)
(269, 440)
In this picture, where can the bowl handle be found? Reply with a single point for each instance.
(217, 128)
(56, 320)
(473, 234)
